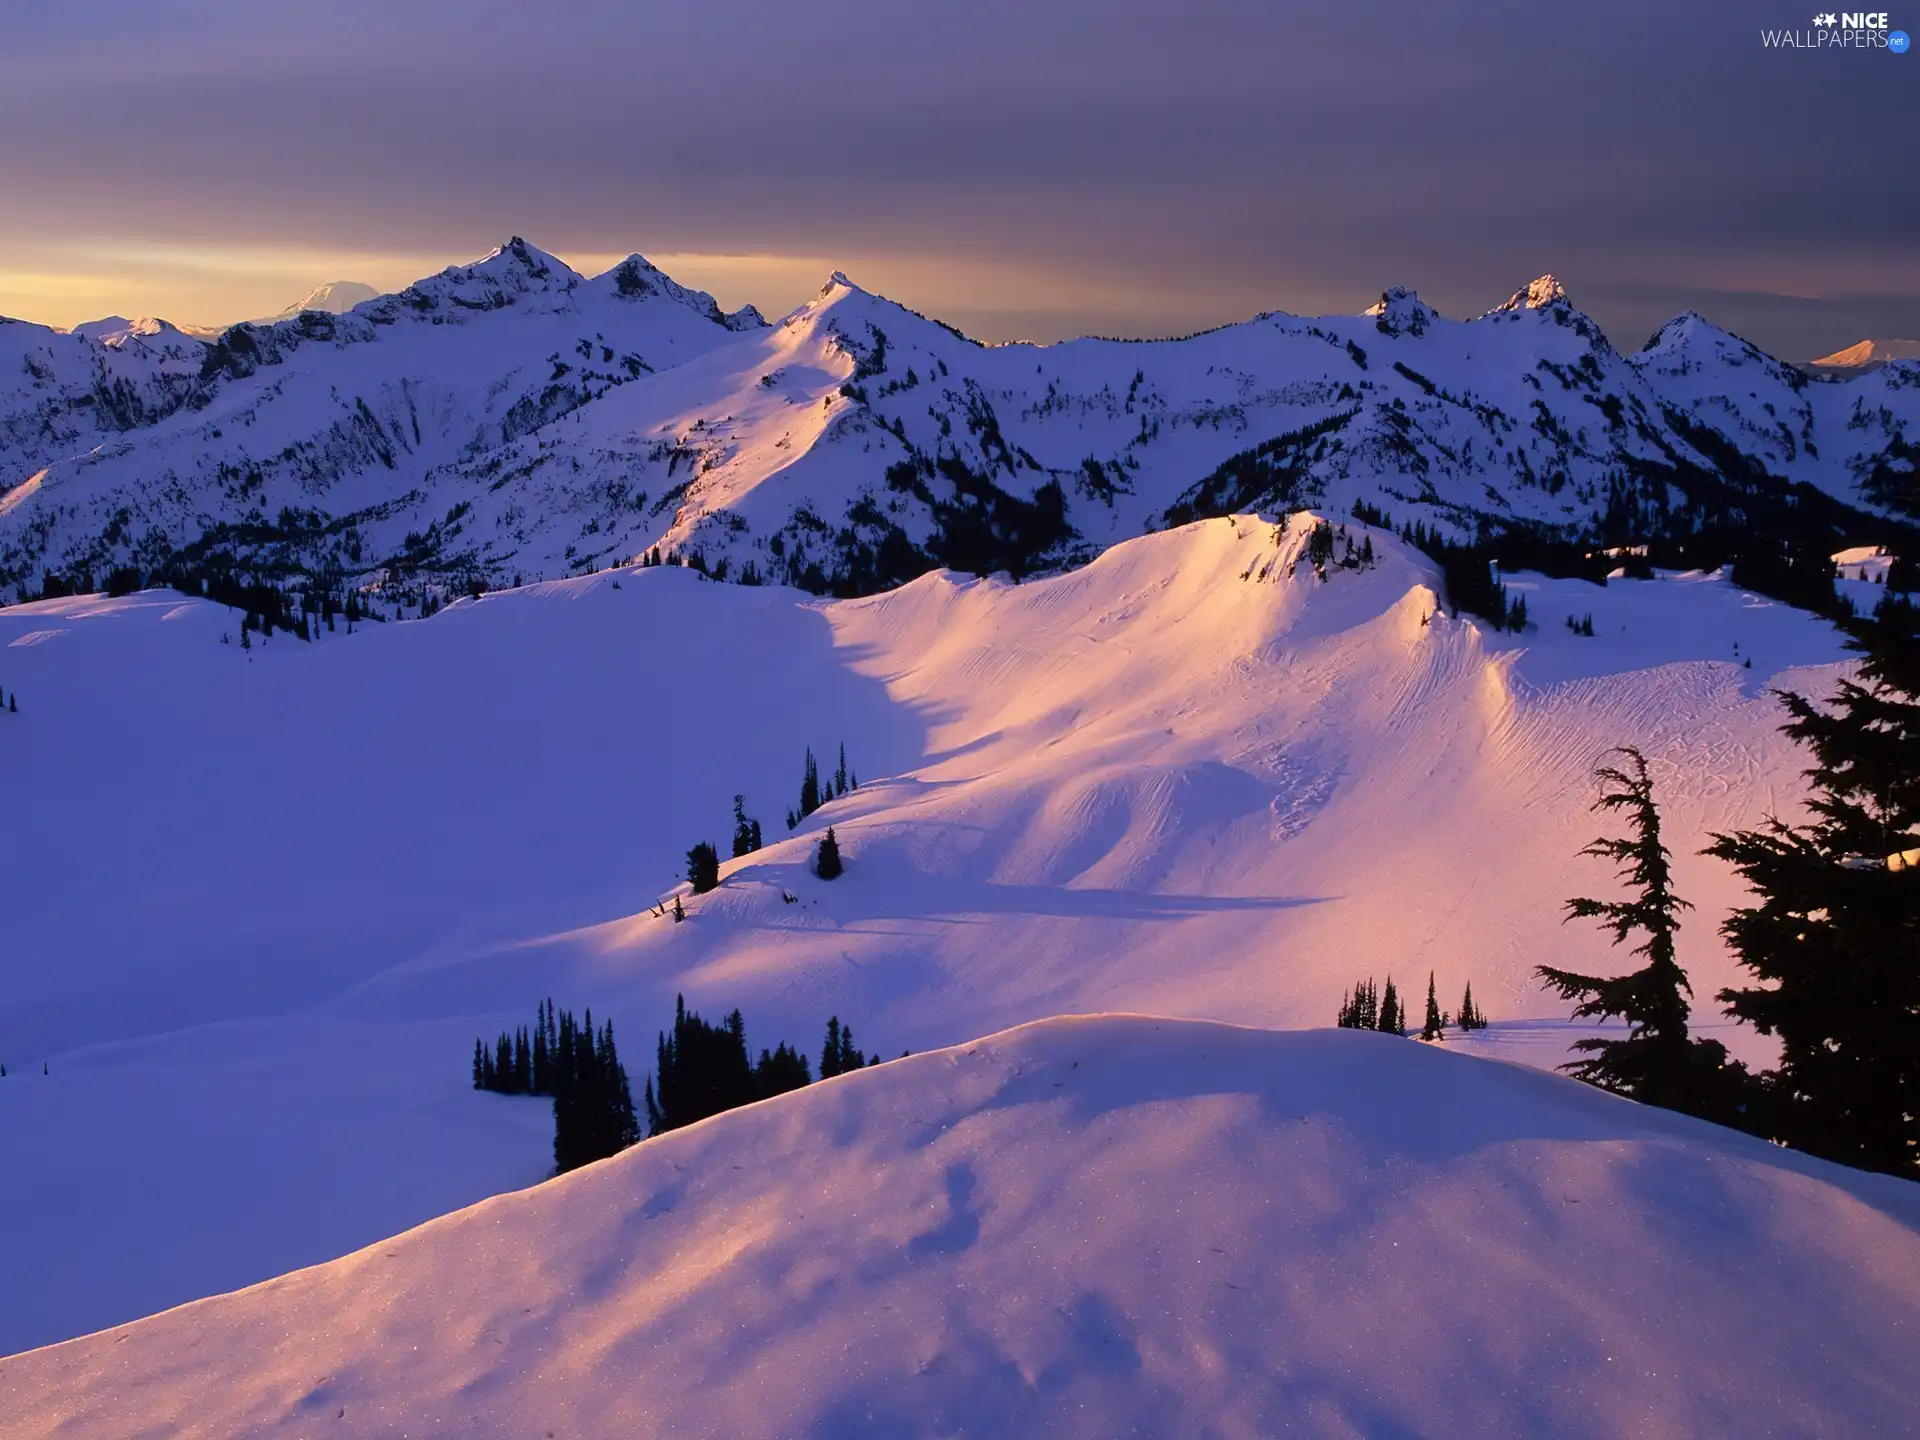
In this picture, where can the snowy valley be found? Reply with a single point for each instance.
(1147, 781)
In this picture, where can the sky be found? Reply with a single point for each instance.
(1021, 168)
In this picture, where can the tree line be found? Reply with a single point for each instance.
(701, 1068)
(579, 1067)
(1370, 1007)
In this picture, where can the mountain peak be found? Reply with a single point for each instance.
(1539, 294)
(1870, 352)
(637, 277)
(1400, 311)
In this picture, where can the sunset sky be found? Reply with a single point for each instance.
(1021, 169)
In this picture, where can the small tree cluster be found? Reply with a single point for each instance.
(576, 1065)
(1323, 542)
(813, 794)
(703, 1069)
(1471, 1017)
(703, 867)
(1582, 626)
(1367, 1007)
(746, 833)
(839, 1055)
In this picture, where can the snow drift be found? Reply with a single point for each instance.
(1106, 1226)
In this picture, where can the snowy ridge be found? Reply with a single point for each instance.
(1088, 1227)
(577, 423)
(1190, 778)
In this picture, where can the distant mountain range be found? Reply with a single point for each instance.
(513, 418)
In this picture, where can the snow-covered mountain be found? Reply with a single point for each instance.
(1092, 1227)
(1870, 352)
(336, 297)
(513, 418)
(1188, 778)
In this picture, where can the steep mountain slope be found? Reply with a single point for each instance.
(1189, 777)
(61, 393)
(510, 418)
(309, 441)
(1096, 1227)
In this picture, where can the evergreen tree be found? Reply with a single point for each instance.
(746, 833)
(1658, 1062)
(1393, 1017)
(1470, 1017)
(479, 1065)
(810, 787)
(1834, 940)
(826, 861)
(840, 772)
(703, 867)
(1436, 1025)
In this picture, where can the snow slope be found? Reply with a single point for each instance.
(512, 418)
(271, 895)
(1095, 1227)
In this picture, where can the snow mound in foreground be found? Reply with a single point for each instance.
(1097, 1226)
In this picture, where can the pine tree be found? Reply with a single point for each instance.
(840, 773)
(1834, 940)
(703, 867)
(1470, 1017)
(809, 792)
(826, 862)
(746, 833)
(830, 1053)
(479, 1065)
(1393, 1017)
(1658, 1063)
(1436, 1025)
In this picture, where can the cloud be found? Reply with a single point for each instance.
(1195, 160)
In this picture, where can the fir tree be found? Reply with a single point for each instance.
(746, 833)
(840, 772)
(1658, 1063)
(826, 861)
(809, 788)
(1393, 1017)
(1834, 940)
(703, 867)
(1436, 1025)
(1470, 1017)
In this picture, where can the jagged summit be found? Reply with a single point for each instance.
(1400, 311)
(1539, 294)
(637, 278)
